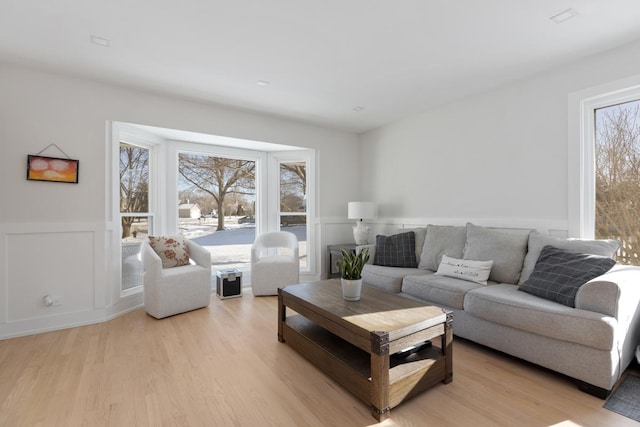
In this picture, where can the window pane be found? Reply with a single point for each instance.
(139, 229)
(134, 178)
(293, 204)
(134, 198)
(617, 152)
(293, 187)
(217, 206)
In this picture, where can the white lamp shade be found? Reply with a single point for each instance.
(361, 210)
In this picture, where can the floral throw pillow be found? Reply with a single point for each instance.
(172, 250)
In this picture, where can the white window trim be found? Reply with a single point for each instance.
(164, 157)
(581, 167)
(133, 136)
(176, 147)
(273, 209)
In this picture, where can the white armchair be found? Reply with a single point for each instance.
(169, 291)
(275, 262)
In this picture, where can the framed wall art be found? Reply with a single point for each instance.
(54, 169)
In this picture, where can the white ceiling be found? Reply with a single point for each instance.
(322, 58)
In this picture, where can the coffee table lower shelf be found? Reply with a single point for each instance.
(351, 366)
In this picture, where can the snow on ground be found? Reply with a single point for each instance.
(223, 257)
(230, 248)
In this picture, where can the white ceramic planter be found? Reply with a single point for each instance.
(351, 289)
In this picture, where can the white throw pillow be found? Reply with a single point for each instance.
(465, 269)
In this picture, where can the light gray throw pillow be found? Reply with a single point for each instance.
(537, 241)
(441, 240)
(507, 250)
(465, 269)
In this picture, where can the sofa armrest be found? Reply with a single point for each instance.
(199, 255)
(372, 251)
(151, 262)
(615, 293)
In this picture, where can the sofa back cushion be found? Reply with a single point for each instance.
(441, 240)
(419, 233)
(538, 240)
(506, 249)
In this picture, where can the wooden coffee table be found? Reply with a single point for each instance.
(361, 344)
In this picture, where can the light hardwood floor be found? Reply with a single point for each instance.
(223, 366)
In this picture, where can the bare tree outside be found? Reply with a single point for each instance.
(293, 202)
(219, 178)
(293, 187)
(617, 152)
(134, 183)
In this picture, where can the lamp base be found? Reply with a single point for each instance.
(361, 233)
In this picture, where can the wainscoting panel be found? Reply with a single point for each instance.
(67, 261)
(76, 261)
(56, 264)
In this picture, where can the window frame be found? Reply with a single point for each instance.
(174, 148)
(274, 160)
(124, 133)
(163, 190)
(581, 156)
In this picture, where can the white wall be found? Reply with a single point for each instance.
(54, 238)
(497, 158)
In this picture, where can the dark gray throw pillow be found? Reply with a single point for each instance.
(558, 274)
(398, 250)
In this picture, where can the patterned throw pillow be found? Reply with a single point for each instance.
(398, 250)
(537, 241)
(558, 274)
(172, 250)
(465, 269)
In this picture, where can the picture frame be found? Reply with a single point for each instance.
(52, 169)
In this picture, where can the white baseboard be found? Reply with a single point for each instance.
(69, 320)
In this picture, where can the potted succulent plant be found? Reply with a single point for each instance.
(350, 267)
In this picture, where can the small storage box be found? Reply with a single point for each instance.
(229, 283)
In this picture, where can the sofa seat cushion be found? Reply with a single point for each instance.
(504, 304)
(437, 289)
(387, 278)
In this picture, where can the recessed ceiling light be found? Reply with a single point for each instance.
(100, 41)
(564, 16)
(263, 83)
(358, 108)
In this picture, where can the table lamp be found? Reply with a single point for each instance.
(360, 211)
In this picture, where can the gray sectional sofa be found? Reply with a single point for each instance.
(592, 342)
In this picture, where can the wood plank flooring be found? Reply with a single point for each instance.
(224, 366)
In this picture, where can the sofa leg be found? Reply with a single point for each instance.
(601, 393)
